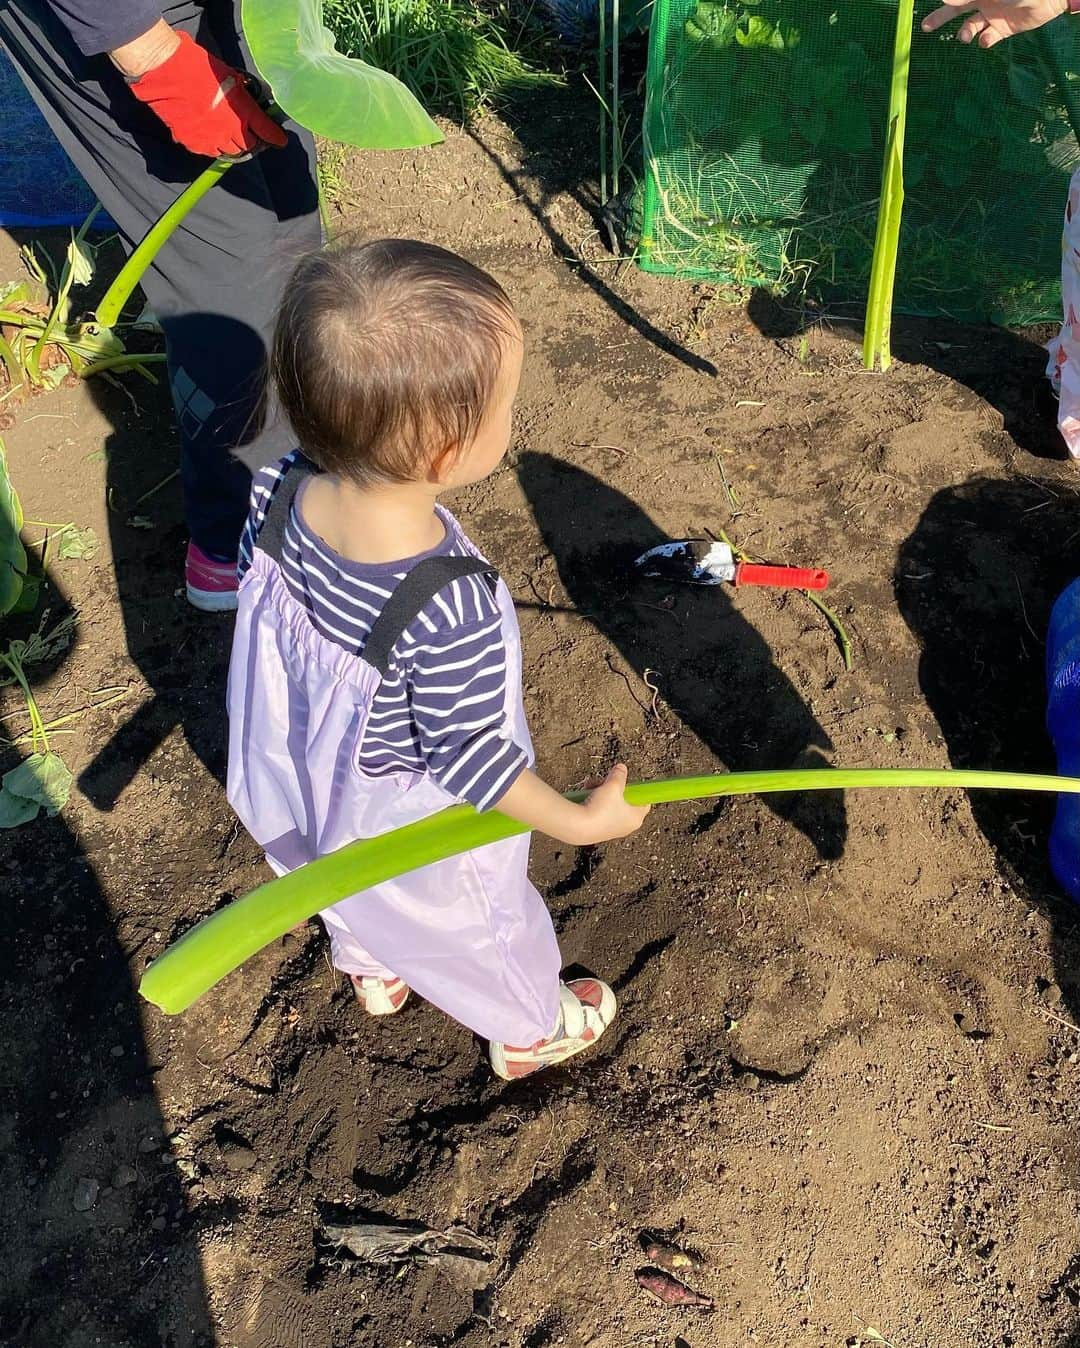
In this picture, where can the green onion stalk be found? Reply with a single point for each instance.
(221, 942)
(890, 208)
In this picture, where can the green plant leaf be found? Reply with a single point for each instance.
(76, 544)
(220, 943)
(12, 552)
(952, 172)
(43, 779)
(16, 810)
(326, 92)
(1026, 85)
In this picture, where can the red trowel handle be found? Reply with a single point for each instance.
(785, 577)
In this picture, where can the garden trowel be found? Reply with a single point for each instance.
(702, 561)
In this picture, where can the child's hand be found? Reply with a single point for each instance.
(606, 813)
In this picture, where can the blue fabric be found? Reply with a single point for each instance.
(1063, 723)
(39, 185)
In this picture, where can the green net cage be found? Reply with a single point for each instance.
(764, 134)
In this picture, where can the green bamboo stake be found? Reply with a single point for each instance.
(133, 270)
(601, 75)
(222, 942)
(890, 208)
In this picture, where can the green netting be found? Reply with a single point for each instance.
(764, 132)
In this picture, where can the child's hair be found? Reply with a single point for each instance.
(387, 353)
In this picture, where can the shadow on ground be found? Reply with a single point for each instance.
(719, 674)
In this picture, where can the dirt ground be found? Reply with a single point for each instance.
(846, 1068)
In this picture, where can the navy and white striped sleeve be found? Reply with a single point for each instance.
(263, 485)
(458, 695)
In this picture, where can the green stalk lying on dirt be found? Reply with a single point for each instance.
(220, 943)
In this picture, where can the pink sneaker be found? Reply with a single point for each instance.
(211, 586)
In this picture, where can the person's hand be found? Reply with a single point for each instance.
(606, 813)
(204, 102)
(991, 21)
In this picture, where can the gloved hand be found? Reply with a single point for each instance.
(204, 103)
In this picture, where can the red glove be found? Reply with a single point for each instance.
(204, 103)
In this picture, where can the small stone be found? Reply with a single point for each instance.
(149, 1144)
(748, 1081)
(1049, 993)
(125, 1175)
(158, 1224)
(117, 1050)
(86, 1194)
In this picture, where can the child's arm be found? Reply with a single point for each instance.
(602, 816)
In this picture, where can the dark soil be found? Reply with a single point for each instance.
(846, 1067)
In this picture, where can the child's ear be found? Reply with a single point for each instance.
(442, 466)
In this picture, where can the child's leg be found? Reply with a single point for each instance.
(378, 989)
(1064, 365)
(470, 935)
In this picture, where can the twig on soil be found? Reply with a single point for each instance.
(1060, 1020)
(630, 687)
(733, 500)
(1023, 607)
(154, 490)
(832, 618)
(993, 1127)
(654, 690)
(614, 449)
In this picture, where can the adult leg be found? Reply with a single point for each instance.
(215, 285)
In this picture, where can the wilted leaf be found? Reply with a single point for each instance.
(81, 258)
(54, 375)
(42, 779)
(77, 544)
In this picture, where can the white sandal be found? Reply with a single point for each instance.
(380, 996)
(586, 1008)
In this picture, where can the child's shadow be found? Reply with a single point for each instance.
(716, 672)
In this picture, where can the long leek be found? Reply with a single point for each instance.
(221, 942)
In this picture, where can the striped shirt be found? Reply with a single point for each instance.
(441, 707)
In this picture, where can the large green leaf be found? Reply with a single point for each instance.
(12, 552)
(330, 94)
(40, 782)
(220, 943)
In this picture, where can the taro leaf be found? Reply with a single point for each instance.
(915, 167)
(971, 116)
(16, 810)
(812, 125)
(851, 128)
(330, 94)
(1025, 85)
(952, 172)
(42, 781)
(12, 552)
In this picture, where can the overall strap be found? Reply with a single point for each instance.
(271, 536)
(414, 593)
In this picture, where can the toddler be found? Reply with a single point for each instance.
(376, 667)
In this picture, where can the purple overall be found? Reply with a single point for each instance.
(470, 934)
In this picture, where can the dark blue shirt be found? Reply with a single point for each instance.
(101, 25)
